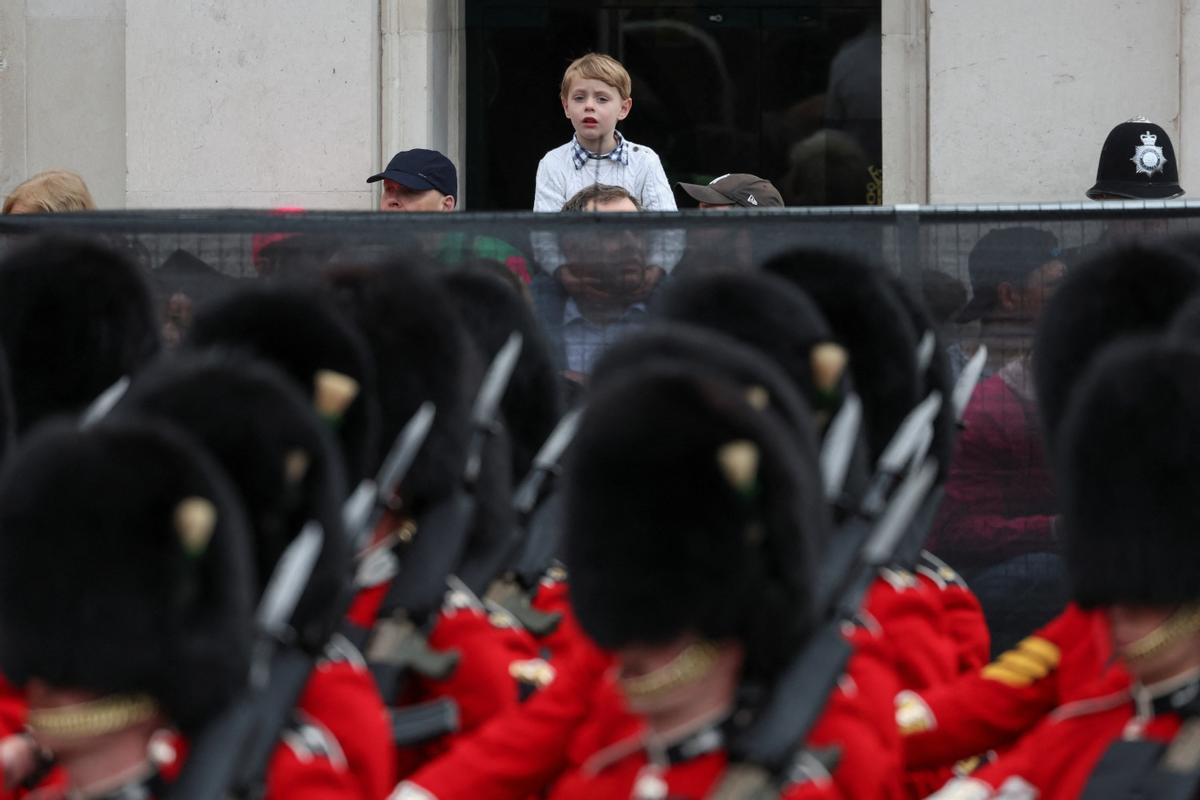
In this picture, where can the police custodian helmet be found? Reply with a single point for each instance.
(1137, 162)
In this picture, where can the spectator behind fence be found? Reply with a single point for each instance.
(724, 246)
(998, 516)
(426, 181)
(52, 192)
(595, 96)
(601, 290)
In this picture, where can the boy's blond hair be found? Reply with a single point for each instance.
(598, 67)
(51, 192)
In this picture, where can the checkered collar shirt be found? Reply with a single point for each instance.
(580, 156)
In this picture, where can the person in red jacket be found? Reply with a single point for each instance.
(1129, 472)
(126, 605)
(485, 664)
(286, 468)
(693, 520)
(782, 321)
(1118, 292)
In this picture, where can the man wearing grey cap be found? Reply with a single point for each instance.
(718, 246)
(735, 189)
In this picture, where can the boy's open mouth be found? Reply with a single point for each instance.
(589, 120)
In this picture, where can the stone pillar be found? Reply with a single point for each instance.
(423, 97)
(905, 102)
(62, 92)
(257, 105)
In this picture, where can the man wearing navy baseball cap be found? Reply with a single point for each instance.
(418, 180)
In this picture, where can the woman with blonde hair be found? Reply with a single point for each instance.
(50, 192)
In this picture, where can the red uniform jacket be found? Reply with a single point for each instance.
(1057, 759)
(576, 739)
(991, 708)
(934, 627)
(498, 664)
(341, 694)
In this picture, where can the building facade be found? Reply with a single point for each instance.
(228, 103)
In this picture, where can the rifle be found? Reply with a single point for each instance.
(105, 402)
(771, 749)
(539, 515)
(398, 641)
(363, 510)
(967, 381)
(230, 756)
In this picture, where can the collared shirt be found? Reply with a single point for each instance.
(585, 341)
(580, 155)
(636, 168)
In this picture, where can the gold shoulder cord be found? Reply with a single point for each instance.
(1182, 623)
(93, 718)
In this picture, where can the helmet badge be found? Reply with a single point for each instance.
(1148, 157)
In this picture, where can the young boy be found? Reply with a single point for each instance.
(595, 97)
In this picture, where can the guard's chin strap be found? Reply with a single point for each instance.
(692, 664)
(94, 717)
(1183, 623)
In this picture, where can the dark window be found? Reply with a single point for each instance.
(789, 91)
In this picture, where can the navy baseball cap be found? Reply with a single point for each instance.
(1004, 255)
(420, 170)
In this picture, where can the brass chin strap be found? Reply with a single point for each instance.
(1181, 624)
(93, 718)
(692, 664)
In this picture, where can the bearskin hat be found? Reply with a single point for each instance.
(124, 568)
(278, 453)
(301, 332)
(872, 324)
(491, 310)
(681, 343)
(6, 408)
(1127, 289)
(690, 510)
(427, 354)
(424, 355)
(761, 310)
(75, 317)
(1129, 472)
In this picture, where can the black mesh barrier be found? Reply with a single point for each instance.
(984, 273)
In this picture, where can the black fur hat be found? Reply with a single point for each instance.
(6, 409)
(427, 354)
(491, 310)
(689, 510)
(279, 454)
(763, 311)
(1186, 322)
(871, 322)
(300, 331)
(124, 568)
(75, 317)
(424, 355)
(681, 343)
(1128, 289)
(1129, 471)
